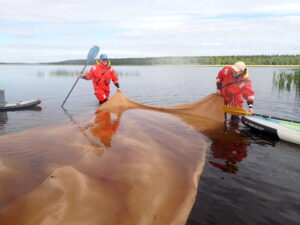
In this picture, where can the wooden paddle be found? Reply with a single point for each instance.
(238, 112)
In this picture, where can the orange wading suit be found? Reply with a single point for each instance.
(101, 76)
(234, 88)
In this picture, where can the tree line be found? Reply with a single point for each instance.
(199, 60)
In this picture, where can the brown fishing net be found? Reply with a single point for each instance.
(128, 163)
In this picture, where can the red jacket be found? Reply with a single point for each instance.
(101, 76)
(233, 88)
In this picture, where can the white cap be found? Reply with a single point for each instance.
(239, 66)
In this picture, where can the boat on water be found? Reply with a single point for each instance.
(19, 105)
(4, 106)
(283, 129)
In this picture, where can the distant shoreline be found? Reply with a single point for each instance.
(252, 60)
(192, 65)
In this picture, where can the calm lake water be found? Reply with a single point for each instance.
(251, 179)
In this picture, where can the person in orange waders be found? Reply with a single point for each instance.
(233, 84)
(101, 74)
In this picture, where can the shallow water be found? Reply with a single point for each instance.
(126, 170)
(248, 178)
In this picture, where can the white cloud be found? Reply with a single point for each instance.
(66, 29)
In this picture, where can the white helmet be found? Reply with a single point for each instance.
(239, 66)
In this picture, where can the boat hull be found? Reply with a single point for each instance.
(284, 130)
(19, 105)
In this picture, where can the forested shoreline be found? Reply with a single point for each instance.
(195, 60)
(201, 60)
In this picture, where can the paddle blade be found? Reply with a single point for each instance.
(235, 111)
(93, 53)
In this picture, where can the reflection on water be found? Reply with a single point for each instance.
(257, 191)
(3, 118)
(96, 147)
(229, 148)
(104, 127)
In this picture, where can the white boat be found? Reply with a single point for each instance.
(19, 105)
(283, 129)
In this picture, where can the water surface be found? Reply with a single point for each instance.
(248, 178)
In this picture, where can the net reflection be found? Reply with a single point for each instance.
(230, 147)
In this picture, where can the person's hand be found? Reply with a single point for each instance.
(218, 92)
(79, 76)
(119, 90)
(250, 110)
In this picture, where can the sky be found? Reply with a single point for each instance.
(34, 31)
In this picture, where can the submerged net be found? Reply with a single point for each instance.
(128, 163)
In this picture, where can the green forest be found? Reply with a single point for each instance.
(199, 60)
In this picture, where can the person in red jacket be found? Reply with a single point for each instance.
(101, 74)
(233, 84)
